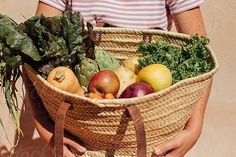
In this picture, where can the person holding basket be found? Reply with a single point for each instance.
(139, 14)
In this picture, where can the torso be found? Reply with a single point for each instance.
(124, 13)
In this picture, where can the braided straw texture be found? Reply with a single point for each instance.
(101, 124)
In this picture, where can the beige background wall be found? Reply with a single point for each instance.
(218, 135)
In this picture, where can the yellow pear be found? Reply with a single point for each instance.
(156, 75)
(132, 64)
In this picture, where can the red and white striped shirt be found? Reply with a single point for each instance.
(141, 14)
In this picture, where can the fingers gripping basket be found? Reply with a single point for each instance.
(104, 126)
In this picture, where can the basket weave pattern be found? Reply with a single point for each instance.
(101, 124)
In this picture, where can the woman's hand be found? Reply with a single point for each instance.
(44, 124)
(185, 140)
(177, 147)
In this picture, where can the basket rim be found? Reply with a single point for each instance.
(112, 30)
(121, 102)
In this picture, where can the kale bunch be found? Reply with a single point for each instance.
(189, 60)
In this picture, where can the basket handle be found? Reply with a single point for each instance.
(59, 128)
(133, 112)
(139, 130)
(58, 135)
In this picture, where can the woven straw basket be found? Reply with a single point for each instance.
(103, 126)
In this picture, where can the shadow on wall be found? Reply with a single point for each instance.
(27, 146)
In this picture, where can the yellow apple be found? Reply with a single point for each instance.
(156, 75)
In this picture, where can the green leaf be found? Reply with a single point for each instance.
(53, 24)
(72, 26)
(1, 46)
(15, 39)
(20, 42)
(14, 61)
(28, 48)
(13, 110)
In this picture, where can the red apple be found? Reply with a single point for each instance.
(103, 82)
(137, 89)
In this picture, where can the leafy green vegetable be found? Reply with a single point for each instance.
(59, 40)
(52, 48)
(184, 62)
(72, 27)
(14, 45)
(43, 43)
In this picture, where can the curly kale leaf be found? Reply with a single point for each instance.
(185, 61)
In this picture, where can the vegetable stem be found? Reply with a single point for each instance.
(59, 76)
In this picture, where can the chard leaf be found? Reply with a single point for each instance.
(15, 40)
(72, 26)
(1, 46)
(14, 61)
(53, 24)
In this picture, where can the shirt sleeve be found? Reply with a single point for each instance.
(58, 4)
(178, 6)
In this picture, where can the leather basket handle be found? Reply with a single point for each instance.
(139, 130)
(133, 112)
(59, 128)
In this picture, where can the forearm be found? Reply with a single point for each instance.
(195, 122)
(190, 22)
(47, 10)
(42, 122)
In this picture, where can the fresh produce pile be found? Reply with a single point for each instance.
(62, 51)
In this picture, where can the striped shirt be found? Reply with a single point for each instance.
(141, 14)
